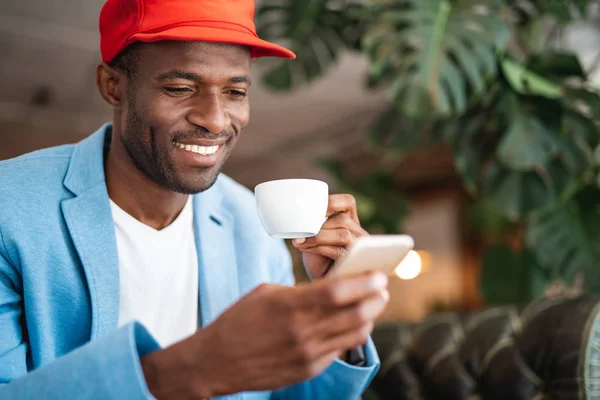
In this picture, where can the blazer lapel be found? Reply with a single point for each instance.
(89, 220)
(217, 273)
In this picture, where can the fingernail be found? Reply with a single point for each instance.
(299, 241)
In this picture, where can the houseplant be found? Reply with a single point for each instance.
(489, 79)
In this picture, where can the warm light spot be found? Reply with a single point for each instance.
(410, 267)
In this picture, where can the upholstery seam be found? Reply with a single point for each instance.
(585, 361)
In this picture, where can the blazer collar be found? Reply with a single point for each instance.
(86, 168)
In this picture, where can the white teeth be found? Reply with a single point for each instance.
(203, 150)
(211, 150)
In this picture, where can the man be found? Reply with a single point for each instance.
(131, 269)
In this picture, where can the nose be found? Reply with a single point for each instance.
(209, 113)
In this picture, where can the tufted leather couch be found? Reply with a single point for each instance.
(547, 350)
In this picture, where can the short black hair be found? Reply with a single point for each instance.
(127, 60)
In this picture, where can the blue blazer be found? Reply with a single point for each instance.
(59, 281)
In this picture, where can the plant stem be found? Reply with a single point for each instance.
(436, 42)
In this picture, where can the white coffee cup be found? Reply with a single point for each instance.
(292, 208)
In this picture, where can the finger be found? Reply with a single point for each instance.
(340, 292)
(333, 252)
(330, 237)
(350, 339)
(342, 203)
(345, 220)
(353, 317)
(341, 230)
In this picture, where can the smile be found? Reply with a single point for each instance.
(192, 148)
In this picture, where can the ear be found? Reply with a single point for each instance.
(111, 84)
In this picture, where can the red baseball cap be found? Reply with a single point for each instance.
(123, 22)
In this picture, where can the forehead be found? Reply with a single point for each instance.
(201, 57)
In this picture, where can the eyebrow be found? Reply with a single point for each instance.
(176, 74)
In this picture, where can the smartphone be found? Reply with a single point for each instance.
(376, 252)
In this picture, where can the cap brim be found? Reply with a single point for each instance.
(258, 47)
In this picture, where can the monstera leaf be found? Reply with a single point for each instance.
(316, 30)
(519, 193)
(565, 238)
(527, 82)
(523, 153)
(544, 75)
(434, 54)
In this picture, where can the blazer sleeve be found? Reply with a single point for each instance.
(108, 367)
(340, 381)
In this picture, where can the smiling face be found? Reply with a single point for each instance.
(186, 106)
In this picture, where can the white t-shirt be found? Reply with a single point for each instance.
(158, 274)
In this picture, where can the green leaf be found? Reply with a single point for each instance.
(587, 98)
(565, 238)
(468, 157)
(520, 193)
(517, 193)
(522, 153)
(488, 220)
(564, 10)
(559, 9)
(529, 83)
(468, 63)
(317, 31)
(556, 65)
(495, 28)
(509, 278)
(534, 35)
(434, 54)
(481, 49)
(453, 82)
(582, 137)
(527, 144)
